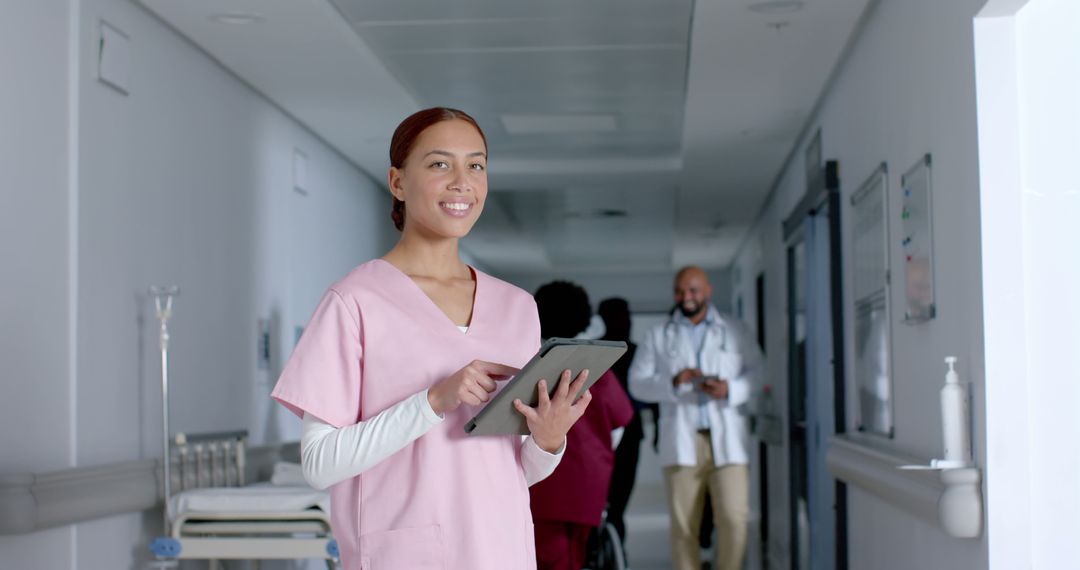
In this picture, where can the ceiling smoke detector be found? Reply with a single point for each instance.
(776, 6)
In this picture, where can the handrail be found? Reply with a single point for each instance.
(856, 460)
(949, 499)
(30, 502)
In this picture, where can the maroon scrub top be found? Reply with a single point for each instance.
(577, 491)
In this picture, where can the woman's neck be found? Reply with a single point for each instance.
(420, 257)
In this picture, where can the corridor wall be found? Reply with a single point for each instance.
(905, 87)
(186, 180)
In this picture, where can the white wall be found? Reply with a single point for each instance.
(34, 307)
(1028, 85)
(187, 180)
(906, 88)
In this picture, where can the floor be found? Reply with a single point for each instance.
(647, 546)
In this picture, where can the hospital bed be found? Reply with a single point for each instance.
(214, 516)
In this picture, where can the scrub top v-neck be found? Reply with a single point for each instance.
(435, 309)
(446, 500)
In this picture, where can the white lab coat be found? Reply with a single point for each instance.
(730, 352)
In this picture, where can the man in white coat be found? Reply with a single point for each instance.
(699, 366)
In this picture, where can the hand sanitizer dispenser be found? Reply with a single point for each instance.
(959, 506)
(954, 420)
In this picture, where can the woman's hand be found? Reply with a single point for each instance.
(554, 416)
(471, 385)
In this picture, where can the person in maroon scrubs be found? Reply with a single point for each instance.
(570, 502)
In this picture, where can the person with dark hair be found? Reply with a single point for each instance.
(570, 503)
(400, 354)
(615, 313)
(700, 367)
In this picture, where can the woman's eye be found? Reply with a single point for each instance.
(477, 166)
(439, 164)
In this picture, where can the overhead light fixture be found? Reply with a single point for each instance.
(597, 214)
(520, 124)
(237, 18)
(776, 6)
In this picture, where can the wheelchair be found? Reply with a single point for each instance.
(605, 549)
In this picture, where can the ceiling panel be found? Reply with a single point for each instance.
(624, 60)
(580, 228)
(706, 99)
(400, 11)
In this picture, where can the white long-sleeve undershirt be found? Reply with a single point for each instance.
(330, 455)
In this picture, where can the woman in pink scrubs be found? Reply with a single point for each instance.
(405, 349)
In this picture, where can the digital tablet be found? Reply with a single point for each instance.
(556, 355)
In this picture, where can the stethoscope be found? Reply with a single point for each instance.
(671, 334)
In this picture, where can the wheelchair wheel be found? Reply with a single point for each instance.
(605, 550)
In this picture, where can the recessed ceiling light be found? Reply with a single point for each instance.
(516, 124)
(598, 213)
(237, 18)
(776, 6)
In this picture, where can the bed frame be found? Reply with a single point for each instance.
(212, 460)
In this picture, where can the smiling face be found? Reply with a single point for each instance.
(443, 181)
(692, 292)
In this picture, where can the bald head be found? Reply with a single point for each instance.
(692, 292)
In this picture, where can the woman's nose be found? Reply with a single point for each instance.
(459, 183)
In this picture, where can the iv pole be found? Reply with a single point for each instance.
(163, 298)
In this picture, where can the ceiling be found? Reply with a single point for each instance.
(625, 135)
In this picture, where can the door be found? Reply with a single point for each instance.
(815, 380)
(797, 416)
(821, 491)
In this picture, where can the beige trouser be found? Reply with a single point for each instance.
(729, 488)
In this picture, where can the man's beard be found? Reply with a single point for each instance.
(691, 309)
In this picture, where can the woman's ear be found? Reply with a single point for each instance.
(393, 178)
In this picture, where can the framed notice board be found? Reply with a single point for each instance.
(870, 260)
(917, 240)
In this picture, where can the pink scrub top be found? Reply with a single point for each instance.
(447, 500)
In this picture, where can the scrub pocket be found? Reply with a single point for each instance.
(413, 548)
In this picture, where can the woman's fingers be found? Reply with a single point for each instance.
(495, 370)
(484, 382)
(579, 382)
(543, 399)
(582, 403)
(529, 413)
(564, 385)
(469, 398)
(478, 392)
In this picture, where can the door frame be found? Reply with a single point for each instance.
(826, 195)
